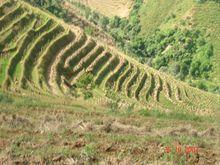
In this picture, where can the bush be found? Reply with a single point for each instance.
(89, 31)
(87, 94)
(194, 69)
(114, 22)
(175, 69)
(85, 80)
(104, 21)
(158, 62)
(201, 85)
(203, 1)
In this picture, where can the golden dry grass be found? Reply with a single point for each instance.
(110, 8)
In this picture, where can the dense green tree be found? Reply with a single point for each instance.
(115, 22)
(159, 61)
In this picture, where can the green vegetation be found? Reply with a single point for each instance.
(52, 6)
(5, 99)
(49, 130)
(89, 152)
(121, 29)
(172, 51)
(45, 64)
(190, 16)
(85, 83)
(174, 115)
(184, 52)
(66, 99)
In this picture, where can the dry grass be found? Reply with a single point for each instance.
(110, 8)
(35, 132)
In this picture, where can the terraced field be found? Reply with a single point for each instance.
(109, 8)
(42, 54)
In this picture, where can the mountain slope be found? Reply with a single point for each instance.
(185, 14)
(52, 58)
(182, 39)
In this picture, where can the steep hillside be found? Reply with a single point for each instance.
(189, 14)
(41, 54)
(181, 40)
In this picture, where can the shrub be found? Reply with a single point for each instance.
(158, 62)
(201, 1)
(88, 30)
(175, 68)
(104, 21)
(201, 85)
(85, 80)
(87, 94)
(194, 69)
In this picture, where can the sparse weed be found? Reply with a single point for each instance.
(89, 136)
(119, 125)
(123, 138)
(16, 148)
(130, 109)
(89, 152)
(74, 137)
(50, 137)
(87, 94)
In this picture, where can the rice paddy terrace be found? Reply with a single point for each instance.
(41, 54)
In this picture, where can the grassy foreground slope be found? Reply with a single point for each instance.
(49, 130)
(189, 14)
(43, 55)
